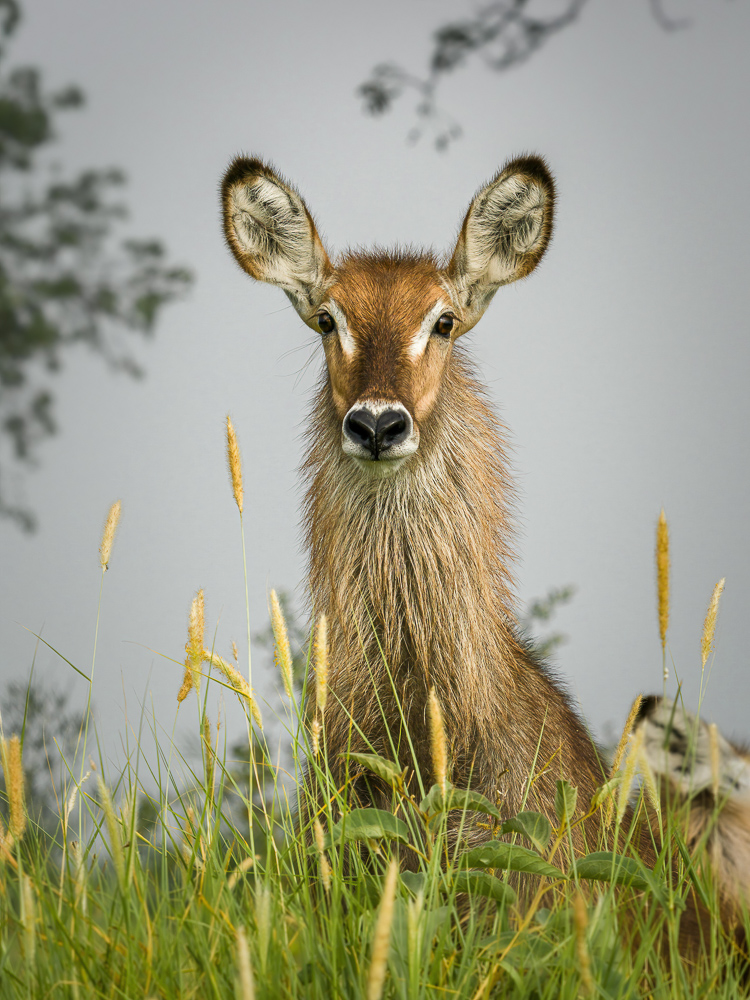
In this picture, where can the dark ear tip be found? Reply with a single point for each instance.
(243, 168)
(532, 166)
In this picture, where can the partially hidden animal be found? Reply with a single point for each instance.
(409, 498)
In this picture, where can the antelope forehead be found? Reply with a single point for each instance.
(416, 341)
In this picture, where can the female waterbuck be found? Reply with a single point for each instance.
(408, 501)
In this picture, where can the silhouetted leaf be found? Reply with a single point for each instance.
(368, 824)
(604, 866)
(384, 768)
(482, 884)
(456, 798)
(566, 797)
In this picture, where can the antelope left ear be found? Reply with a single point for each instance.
(505, 233)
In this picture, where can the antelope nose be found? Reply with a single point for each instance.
(361, 427)
(391, 429)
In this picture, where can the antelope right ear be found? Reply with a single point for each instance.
(272, 235)
(505, 233)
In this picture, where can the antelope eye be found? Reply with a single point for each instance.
(326, 323)
(444, 325)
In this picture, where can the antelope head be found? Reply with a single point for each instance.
(388, 321)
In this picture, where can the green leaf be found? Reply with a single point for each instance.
(383, 768)
(604, 791)
(482, 884)
(532, 825)
(604, 866)
(456, 798)
(566, 797)
(414, 881)
(368, 824)
(510, 857)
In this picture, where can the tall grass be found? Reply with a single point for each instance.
(152, 886)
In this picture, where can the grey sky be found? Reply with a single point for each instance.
(620, 366)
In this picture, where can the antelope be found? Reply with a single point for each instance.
(409, 497)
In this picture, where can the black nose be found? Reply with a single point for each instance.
(376, 434)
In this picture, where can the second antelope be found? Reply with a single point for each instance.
(408, 497)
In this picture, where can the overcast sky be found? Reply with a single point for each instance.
(620, 366)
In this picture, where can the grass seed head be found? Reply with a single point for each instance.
(438, 742)
(114, 831)
(108, 535)
(315, 736)
(246, 984)
(709, 625)
(15, 783)
(382, 938)
(237, 683)
(628, 777)
(325, 868)
(235, 464)
(281, 637)
(580, 923)
(194, 645)
(321, 664)
(662, 576)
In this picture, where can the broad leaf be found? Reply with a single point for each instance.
(368, 824)
(510, 857)
(482, 884)
(457, 798)
(380, 766)
(566, 797)
(604, 866)
(414, 881)
(532, 825)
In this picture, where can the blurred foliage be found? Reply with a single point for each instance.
(539, 613)
(502, 35)
(63, 278)
(49, 730)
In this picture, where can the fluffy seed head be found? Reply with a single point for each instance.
(108, 535)
(281, 637)
(235, 464)
(438, 742)
(321, 664)
(14, 785)
(662, 575)
(114, 832)
(244, 968)
(580, 921)
(382, 939)
(194, 645)
(709, 625)
(315, 736)
(628, 777)
(325, 868)
(237, 682)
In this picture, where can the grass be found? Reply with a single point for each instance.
(153, 885)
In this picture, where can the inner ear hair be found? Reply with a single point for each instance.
(271, 233)
(506, 230)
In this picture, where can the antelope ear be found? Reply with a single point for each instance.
(505, 233)
(272, 235)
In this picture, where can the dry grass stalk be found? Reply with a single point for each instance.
(237, 682)
(321, 664)
(325, 868)
(709, 625)
(714, 754)
(382, 938)
(235, 465)
(662, 576)
(108, 535)
(281, 638)
(14, 787)
(244, 968)
(234, 652)
(115, 833)
(580, 922)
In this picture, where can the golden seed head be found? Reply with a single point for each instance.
(187, 683)
(14, 786)
(114, 831)
(709, 625)
(108, 535)
(438, 742)
(281, 637)
(627, 730)
(325, 868)
(321, 664)
(235, 464)
(315, 736)
(662, 575)
(629, 772)
(237, 682)
(194, 645)
(382, 938)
